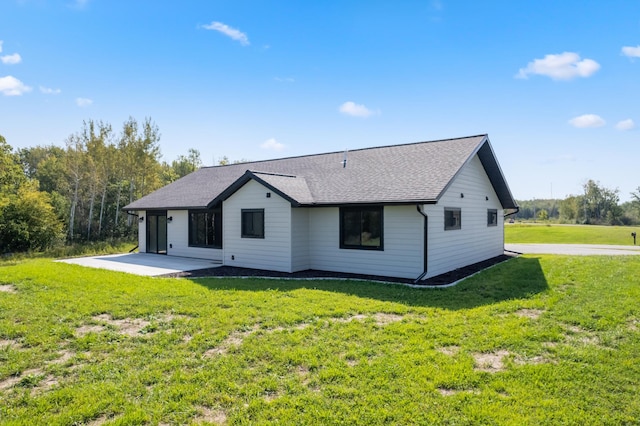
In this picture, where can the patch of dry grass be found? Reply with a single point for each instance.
(490, 362)
(8, 288)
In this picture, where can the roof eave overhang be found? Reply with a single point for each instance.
(369, 203)
(296, 204)
(496, 176)
(137, 209)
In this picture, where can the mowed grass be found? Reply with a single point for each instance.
(570, 234)
(535, 340)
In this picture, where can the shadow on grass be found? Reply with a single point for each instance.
(518, 278)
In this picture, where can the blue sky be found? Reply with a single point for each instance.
(555, 84)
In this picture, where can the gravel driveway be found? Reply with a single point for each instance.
(573, 249)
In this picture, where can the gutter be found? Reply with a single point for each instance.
(512, 213)
(426, 234)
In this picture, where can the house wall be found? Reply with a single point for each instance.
(403, 244)
(142, 232)
(475, 241)
(273, 252)
(309, 238)
(178, 238)
(300, 260)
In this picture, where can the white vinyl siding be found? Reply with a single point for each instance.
(299, 239)
(273, 252)
(474, 241)
(142, 231)
(403, 244)
(178, 238)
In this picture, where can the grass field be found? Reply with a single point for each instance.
(570, 234)
(535, 340)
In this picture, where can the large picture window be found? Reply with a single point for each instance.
(252, 223)
(205, 228)
(452, 219)
(361, 228)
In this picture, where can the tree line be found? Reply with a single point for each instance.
(52, 194)
(597, 205)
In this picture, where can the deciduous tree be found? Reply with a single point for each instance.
(27, 218)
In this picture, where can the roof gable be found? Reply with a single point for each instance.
(292, 188)
(493, 171)
(409, 173)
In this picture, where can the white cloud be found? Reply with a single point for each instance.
(272, 144)
(565, 66)
(627, 124)
(83, 102)
(229, 32)
(632, 52)
(587, 120)
(49, 91)
(11, 59)
(355, 110)
(11, 86)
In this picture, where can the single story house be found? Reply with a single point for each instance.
(413, 211)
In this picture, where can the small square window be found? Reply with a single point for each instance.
(492, 217)
(452, 219)
(252, 223)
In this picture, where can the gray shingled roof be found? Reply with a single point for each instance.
(409, 173)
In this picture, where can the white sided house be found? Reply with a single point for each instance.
(411, 211)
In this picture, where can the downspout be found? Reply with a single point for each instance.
(137, 246)
(504, 217)
(426, 234)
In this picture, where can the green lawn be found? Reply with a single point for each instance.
(570, 234)
(535, 340)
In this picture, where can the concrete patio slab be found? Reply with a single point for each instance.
(143, 263)
(573, 249)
